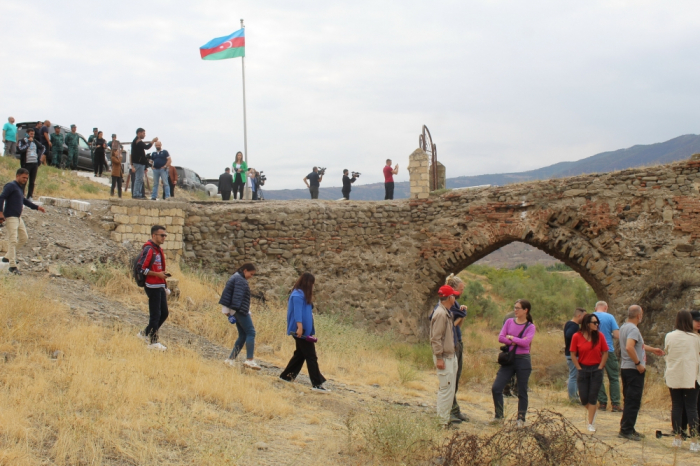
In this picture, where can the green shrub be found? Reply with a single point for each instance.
(399, 436)
(89, 188)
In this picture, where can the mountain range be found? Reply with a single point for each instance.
(679, 148)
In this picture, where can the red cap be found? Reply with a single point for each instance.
(447, 290)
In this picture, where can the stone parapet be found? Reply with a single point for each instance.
(419, 169)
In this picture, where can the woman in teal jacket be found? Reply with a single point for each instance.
(300, 324)
(240, 168)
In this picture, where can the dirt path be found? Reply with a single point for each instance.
(318, 436)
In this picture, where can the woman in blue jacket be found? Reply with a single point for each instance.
(236, 297)
(300, 324)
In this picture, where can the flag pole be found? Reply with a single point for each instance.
(245, 123)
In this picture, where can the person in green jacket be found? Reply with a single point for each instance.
(239, 170)
(57, 148)
(71, 141)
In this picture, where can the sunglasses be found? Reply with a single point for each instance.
(595, 322)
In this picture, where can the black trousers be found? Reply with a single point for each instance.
(684, 422)
(33, 169)
(99, 163)
(238, 186)
(523, 368)
(388, 190)
(346, 195)
(157, 311)
(225, 195)
(460, 359)
(305, 351)
(632, 389)
(116, 182)
(589, 380)
(684, 401)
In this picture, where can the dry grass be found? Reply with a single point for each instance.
(54, 182)
(106, 398)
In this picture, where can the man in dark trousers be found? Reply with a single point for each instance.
(31, 153)
(347, 184)
(152, 263)
(226, 184)
(313, 182)
(389, 179)
(139, 162)
(12, 202)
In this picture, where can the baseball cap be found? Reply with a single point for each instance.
(73, 126)
(695, 314)
(94, 129)
(114, 135)
(447, 290)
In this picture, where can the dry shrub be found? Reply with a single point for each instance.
(548, 439)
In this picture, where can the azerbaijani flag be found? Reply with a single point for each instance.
(224, 47)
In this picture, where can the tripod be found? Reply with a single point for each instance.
(261, 195)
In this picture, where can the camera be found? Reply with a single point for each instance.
(356, 174)
(261, 178)
(321, 171)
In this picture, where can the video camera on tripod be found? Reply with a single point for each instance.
(260, 178)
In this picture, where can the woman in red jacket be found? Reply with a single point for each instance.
(589, 353)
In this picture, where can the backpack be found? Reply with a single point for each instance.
(137, 266)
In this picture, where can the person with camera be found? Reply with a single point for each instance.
(347, 183)
(313, 181)
(389, 179)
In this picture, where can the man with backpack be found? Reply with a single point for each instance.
(149, 273)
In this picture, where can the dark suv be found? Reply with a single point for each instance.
(84, 157)
(188, 179)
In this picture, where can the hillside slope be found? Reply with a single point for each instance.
(672, 150)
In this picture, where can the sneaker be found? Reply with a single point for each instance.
(496, 420)
(142, 336)
(251, 365)
(636, 436)
(462, 417)
(157, 347)
(603, 407)
(230, 362)
(5, 260)
(616, 409)
(677, 443)
(519, 423)
(591, 428)
(30, 198)
(455, 420)
(320, 389)
(14, 270)
(695, 447)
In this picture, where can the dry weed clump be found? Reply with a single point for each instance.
(548, 439)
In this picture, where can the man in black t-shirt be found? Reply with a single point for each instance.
(347, 184)
(313, 182)
(570, 328)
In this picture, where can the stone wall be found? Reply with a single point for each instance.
(630, 234)
(418, 167)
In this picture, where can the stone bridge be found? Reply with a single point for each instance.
(632, 235)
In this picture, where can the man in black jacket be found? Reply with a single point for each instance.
(31, 155)
(226, 184)
(11, 203)
(139, 161)
(347, 184)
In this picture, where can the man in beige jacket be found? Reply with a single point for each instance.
(442, 340)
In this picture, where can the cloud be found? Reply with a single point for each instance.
(503, 86)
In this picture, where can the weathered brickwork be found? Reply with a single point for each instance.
(382, 262)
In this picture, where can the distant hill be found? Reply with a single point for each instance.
(676, 149)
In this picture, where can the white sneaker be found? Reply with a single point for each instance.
(519, 423)
(320, 389)
(251, 365)
(677, 443)
(157, 347)
(695, 446)
(230, 362)
(142, 336)
(591, 428)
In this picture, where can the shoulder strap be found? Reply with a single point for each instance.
(523, 330)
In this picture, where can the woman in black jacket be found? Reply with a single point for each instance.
(236, 302)
(100, 147)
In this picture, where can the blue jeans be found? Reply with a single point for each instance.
(246, 334)
(158, 174)
(137, 188)
(572, 385)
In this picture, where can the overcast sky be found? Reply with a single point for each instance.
(503, 85)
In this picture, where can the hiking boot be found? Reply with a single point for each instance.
(636, 436)
(496, 420)
(157, 347)
(14, 270)
(616, 409)
(320, 389)
(251, 365)
(461, 416)
(602, 407)
(455, 420)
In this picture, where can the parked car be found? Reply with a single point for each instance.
(188, 179)
(84, 156)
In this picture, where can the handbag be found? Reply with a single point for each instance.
(507, 357)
